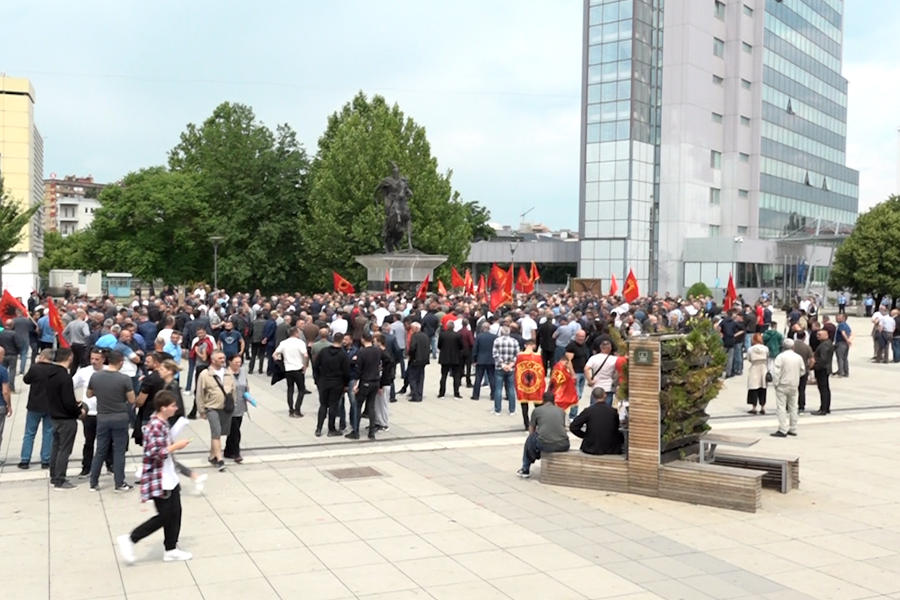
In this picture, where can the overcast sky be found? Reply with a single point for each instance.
(496, 83)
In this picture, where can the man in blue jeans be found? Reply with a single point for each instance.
(546, 433)
(37, 413)
(505, 351)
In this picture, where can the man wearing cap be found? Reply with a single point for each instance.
(787, 369)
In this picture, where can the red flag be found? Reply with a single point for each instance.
(342, 285)
(613, 286)
(482, 287)
(56, 322)
(524, 283)
(441, 289)
(456, 280)
(468, 284)
(564, 392)
(422, 292)
(8, 307)
(497, 276)
(631, 292)
(535, 276)
(387, 280)
(730, 294)
(502, 291)
(529, 377)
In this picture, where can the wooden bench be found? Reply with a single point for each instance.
(710, 441)
(711, 485)
(779, 472)
(577, 469)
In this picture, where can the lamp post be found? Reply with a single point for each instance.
(512, 265)
(215, 239)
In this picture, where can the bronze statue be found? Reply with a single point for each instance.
(395, 193)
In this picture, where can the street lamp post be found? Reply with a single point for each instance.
(215, 239)
(512, 265)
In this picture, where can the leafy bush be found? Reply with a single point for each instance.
(699, 289)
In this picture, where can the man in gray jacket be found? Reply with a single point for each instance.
(787, 369)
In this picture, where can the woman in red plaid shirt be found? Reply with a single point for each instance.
(159, 482)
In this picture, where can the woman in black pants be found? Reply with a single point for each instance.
(159, 483)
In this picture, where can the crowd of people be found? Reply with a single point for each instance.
(119, 370)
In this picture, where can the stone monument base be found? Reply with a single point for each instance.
(406, 270)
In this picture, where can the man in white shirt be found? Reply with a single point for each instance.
(600, 371)
(339, 325)
(529, 326)
(294, 353)
(81, 379)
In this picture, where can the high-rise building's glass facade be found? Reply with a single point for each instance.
(621, 136)
(804, 111)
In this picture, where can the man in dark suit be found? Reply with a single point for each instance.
(598, 426)
(419, 352)
(546, 342)
(450, 347)
(483, 355)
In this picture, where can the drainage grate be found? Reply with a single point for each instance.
(354, 473)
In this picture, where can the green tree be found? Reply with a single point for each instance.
(699, 289)
(155, 225)
(479, 217)
(868, 262)
(62, 252)
(13, 221)
(251, 180)
(342, 219)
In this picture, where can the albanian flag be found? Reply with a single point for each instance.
(422, 292)
(342, 285)
(456, 280)
(529, 377)
(468, 284)
(564, 391)
(631, 292)
(56, 322)
(8, 307)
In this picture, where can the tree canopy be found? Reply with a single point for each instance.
(342, 219)
(698, 290)
(13, 220)
(868, 262)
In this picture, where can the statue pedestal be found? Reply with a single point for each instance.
(405, 270)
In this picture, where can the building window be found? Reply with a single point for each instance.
(713, 231)
(742, 230)
(717, 80)
(748, 11)
(717, 118)
(718, 47)
(715, 159)
(745, 121)
(745, 84)
(720, 10)
(743, 194)
(744, 157)
(746, 47)
(715, 196)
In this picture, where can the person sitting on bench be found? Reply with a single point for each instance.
(546, 433)
(598, 427)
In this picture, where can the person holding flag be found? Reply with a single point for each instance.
(529, 378)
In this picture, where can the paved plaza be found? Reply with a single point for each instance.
(438, 513)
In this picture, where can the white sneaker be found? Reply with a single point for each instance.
(512, 414)
(199, 483)
(126, 548)
(494, 412)
(177, 554)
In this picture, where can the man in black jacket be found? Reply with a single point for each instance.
(9, 341)
(546, 342)
(369, 364)
(52, 380)
(822, 358)
(598, 426)
(331, 373)
(450, 346)
(483, 353)
(38, 413)
(419, 353)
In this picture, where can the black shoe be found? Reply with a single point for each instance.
(124, 488)
(212, 460)
(393, 400)
(334, 434)
(440, 395)
(792, 433)
(780, 434)
(402, 390)
(318, 433)
(352, 436)
(23, 465)
(220, 465)
(457, 396)
(64, 485)
(474, 398)
(298, 414)
(192, 416)
(372, 436)
(411, 400)
(45, 465)
(819, 413)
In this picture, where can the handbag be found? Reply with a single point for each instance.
(768, 377)
(229, 397)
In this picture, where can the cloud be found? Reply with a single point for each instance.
(872, 138)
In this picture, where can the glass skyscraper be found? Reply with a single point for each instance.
(708, 119)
